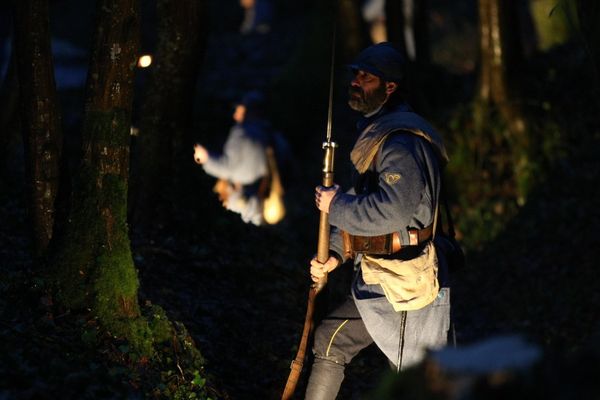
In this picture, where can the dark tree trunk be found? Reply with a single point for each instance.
(40, 119)
(394, 22)
(351, 29)
(168, 105)
(588, 12)
(10, 126)
(421, 29)
(407, 27)
(93, 263)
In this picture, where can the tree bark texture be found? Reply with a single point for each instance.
(94, 265)
(168, 104)
(40, 118)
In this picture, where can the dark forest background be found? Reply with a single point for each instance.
(121, 276)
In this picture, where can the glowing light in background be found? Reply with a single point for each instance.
(144, 61)
(274, 209)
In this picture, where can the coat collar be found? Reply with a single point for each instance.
(375, 129)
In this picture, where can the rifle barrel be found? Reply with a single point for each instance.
(331, 83)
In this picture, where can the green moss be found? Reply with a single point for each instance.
(115, 285)
(95, 244)
(115, 282)
(161, 327)
(72, 262)
(94, 268)
(137, 332)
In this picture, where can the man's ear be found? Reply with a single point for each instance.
(390, 87)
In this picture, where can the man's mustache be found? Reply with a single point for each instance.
(356, 90)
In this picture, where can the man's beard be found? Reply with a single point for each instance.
(366, 103)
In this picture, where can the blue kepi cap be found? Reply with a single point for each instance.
(382, 60)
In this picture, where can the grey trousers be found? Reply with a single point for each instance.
(343, 334)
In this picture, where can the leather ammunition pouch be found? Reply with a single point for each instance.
(383, 244)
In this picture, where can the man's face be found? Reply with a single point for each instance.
(367, 92)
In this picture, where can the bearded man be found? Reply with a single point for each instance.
(399, 297)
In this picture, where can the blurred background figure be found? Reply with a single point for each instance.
(246, 169)
(373, 12)
(257, 16)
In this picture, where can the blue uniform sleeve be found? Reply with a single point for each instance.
(390, 207)
(222, 165)
(243, 159)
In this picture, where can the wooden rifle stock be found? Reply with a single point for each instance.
(323, 244)
(322, 257)
(296, 367)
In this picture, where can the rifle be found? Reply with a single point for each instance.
(322, 244)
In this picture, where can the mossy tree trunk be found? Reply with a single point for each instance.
(40, 118)
(168, 106)
(93, 265)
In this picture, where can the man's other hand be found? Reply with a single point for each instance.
(318, 270)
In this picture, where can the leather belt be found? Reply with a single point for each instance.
(383, 244)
